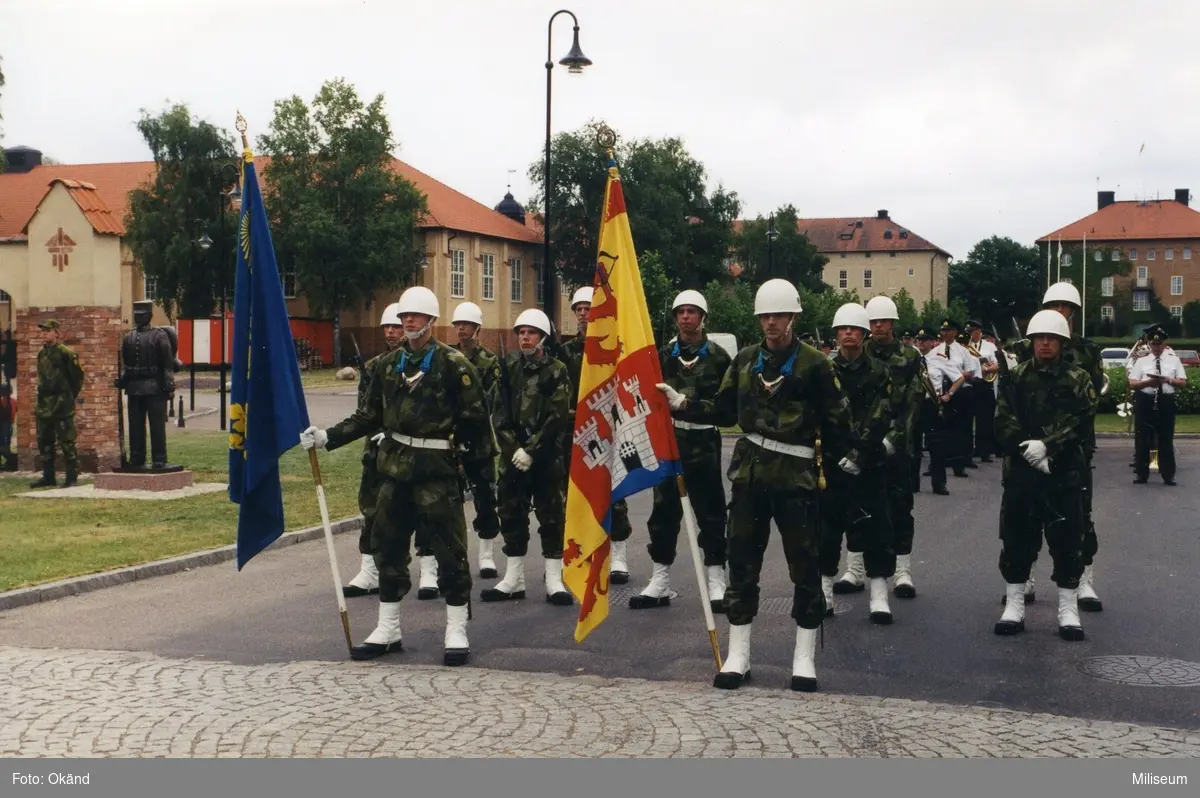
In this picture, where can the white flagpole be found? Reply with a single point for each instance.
(333, 563)
(1083, 293)
(690, 525)
(1049, 248)
(1058, 279)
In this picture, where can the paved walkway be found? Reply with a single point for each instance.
(100, 703)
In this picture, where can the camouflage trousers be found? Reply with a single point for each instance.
(486, 522)
(898, 474)
(540, 485)
(62, 430)
(857, 508)
(1091, 544)
(433, 510)
(753, 506)
(1032, 507)
(706, 489)
(368, 497)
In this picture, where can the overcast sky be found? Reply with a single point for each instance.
(963, 118)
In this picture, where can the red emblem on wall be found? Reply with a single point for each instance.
(60, 246)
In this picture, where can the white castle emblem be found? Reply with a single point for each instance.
(630, 437)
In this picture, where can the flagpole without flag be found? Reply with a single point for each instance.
(689, 524)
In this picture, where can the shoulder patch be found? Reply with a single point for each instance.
(466, 380)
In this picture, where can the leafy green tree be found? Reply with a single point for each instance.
(910, 319)
(184, 200)
(1191, 318)
(790, 256)
(999, 279)
(933, 312)
(731, 310)
(342, 215)
(671, 210)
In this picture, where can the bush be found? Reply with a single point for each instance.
(1187, 399)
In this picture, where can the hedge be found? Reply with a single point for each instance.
(1187, 399)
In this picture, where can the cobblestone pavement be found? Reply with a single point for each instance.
(64, 703)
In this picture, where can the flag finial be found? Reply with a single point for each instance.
(606, 137)
(242, 127)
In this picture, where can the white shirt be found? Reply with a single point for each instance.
(940, 366)
(1167, 364)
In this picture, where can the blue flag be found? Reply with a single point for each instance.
(267, 412)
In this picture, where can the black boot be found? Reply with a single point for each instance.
(72, 477)
(47, 480)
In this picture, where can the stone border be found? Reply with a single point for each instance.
(51, 591)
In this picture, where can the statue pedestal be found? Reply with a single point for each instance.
(172, 477)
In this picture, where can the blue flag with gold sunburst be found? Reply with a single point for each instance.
(267, 410)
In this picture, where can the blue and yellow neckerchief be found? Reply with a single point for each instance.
(702, 352)
(428, 359)
(789, 365)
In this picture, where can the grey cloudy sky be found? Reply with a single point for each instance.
(964, 118)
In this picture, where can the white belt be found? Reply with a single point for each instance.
(420, 443)
(689, 425)
(794, 449)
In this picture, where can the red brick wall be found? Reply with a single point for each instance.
(93, 333)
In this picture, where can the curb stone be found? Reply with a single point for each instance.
(35, 594)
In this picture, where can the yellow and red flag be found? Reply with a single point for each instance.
(623, 441)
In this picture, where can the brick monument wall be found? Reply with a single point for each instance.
(93, 333)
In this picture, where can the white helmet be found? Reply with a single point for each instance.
(1062, 292)
(776, 296)
(852, 314)
(419, 299)
(1048, 322)
(582, 294)
(690, 297)
(533, 318)
(468, 311)
(391, 315)
(882, 307)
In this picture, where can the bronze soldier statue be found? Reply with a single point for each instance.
(148, 355)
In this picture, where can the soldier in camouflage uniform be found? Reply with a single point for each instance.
(468, 321)
(529, 416)
(1044, 414)
(783, 394)
(366, 581)
(1084, 353)
(426, 398)
(60, 379)
(581, 305)
(694, 366)
(856, 505)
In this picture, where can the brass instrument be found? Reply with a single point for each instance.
(974, 351)
(820, 470)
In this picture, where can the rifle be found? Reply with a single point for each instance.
(357, 352)
(505, 392)
(1004, 380)
(121, 405)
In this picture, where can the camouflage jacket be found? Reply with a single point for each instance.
(1082, 353)
(790, 396)
(904, 367)
(60, 379)
(434, 393)
(867, 385)
(573, 352)
(487, 364)
(370, 448)
(1054, 403)
(535, 414)
(696, 372)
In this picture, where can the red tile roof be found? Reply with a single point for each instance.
(20, 195)
(102, 219)
(1130, 220)
(860, 234)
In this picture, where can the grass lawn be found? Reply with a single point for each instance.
(1111, 422)
(325, 378)
(48, 539)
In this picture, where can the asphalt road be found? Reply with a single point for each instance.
(941, 647)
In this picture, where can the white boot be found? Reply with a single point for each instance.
(855, 578)
(487, 563)
(1013, 619)
(1030, 592)
(716, 588)
(804, 658)
(655, 594)
(512, 586)
(736, 669)
(1069, 627)
(618, 571)
(881, 613)
(455, 643)
(556, 592)
(386, 636)
(1088, 600)
(365, 582)
(428, 586)
(904, 583)
(827, 589)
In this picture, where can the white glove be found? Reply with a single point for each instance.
(889, 447)
(850, 467)
(675, 399)
(377, 437)
(522, 460)
(1036, 455)
(313, 438)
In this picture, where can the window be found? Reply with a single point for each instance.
(887, 233)
(1143, 272)
(4, 297)
(867, 278)
(1187, 253)
(539, 289)
(1141, 301)
(910, 272)
(564, 289)
(150, 288)
(1169, 254)
(1176, 285)
(1106, 312)
(1177, 311)
(489, 276)
(1099, 256)
(517, 286)
(1133, 254)
(843, 279)
(1106, 286)
(1116, 255)
(1149, 254)
(1066, 261)
(458, 273)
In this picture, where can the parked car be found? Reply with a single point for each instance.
(1114, 357)
(1189, 357)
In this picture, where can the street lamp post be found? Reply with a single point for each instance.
(772, 234)
(234, 196)
(574, 61)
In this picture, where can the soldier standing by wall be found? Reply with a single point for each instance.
(1155, 378)
(60, 379)
(148, 381)
(694, 366)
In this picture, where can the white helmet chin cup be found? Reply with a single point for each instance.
(468, 311)
(852, 314)
(690, 297)
(391, 315)
(582, 294)
(882, 307)
(777, 296)
(1062, 292)
(1048, 322)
